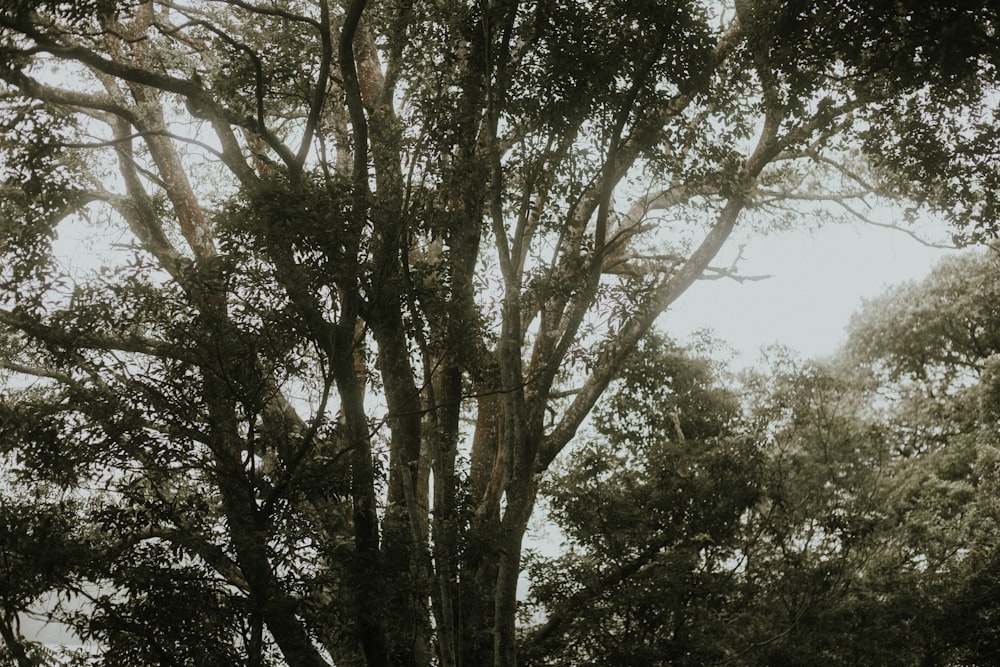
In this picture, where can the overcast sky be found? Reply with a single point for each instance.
(818, 280)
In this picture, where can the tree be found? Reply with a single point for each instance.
(932, 348)
(745, 532)
(901, 434)
(370, 265)
(652, 507)
(840, 513)
(824, 575)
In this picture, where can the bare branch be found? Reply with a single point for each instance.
(717, 273)
(732, 271)
(899, 228)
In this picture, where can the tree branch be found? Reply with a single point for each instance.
(666, 293)
(51, 335)
(887, 225)
(352, 90)
(33, 88)
(38, 371)
(200, 102)
(319, 87)
(573, 606)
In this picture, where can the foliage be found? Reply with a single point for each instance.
(650, 509)
(853, 519)
(940, 379)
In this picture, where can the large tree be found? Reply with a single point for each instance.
(362, 269)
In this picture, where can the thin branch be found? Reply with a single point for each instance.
(270, 11)
(732, 271)
(38, 372)
(83, 340)
(319, 88)
(110, 143)
(771, 196)
(849, 173)
(33, 88)
(888, 225)
(718, 273)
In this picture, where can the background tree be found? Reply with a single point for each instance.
(652, 508)
(363, 270)
(938, 382)
(844, 513)
(824, 584)
(740, 535)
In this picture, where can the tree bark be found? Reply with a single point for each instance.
(15, 644)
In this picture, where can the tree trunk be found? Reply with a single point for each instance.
(14, 643)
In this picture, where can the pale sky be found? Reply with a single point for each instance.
(819, 280)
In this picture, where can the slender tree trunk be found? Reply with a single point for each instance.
(14, 643)
(521, 495)
(248, 529)
(475, 596)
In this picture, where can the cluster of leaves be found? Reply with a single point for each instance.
(936, 142)
(73, 12)
(651, 507)
(39, 185)
(844, 513)
(945, 163)
(103, 571)
(584, 64)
